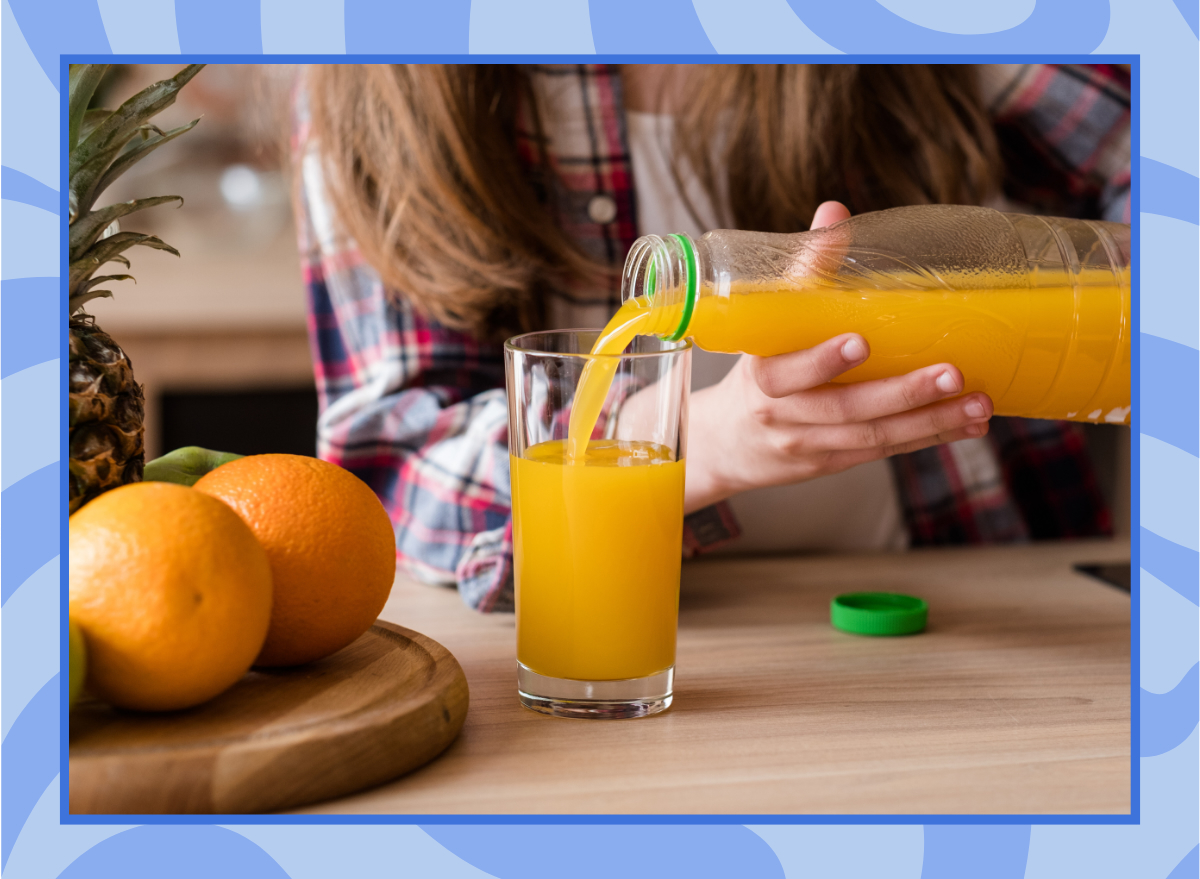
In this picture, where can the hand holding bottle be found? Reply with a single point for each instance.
(778, 420)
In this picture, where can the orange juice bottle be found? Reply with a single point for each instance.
(1035, 311)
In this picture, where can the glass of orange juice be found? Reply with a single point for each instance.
(597, 442)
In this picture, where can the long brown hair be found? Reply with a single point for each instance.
(422, 165)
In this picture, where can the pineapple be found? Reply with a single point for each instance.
(106, 411)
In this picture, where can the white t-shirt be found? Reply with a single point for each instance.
(855, 510)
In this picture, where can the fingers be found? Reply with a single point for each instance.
(863, 401)
(786, 374)
(962, 418)
(845, 459)
(828, 213)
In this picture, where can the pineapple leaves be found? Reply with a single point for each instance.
(77, 302)
(103, 279)
(91, 119)
(89, 227)
(108, 250)
(136, 153)
(84, 80)
(131, 115)
(91, 158)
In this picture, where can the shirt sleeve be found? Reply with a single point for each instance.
(416, 410)
(1064, 133)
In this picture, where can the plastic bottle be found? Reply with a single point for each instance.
(1035, 311)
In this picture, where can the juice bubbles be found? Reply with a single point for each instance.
(1034, 311)
(596, 542)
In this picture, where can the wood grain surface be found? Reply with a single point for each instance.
(1016, 699)
(391, 701)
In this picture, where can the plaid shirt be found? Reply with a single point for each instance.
(418, 411)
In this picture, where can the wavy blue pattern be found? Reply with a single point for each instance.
(1170, 307)
(1175, 565)
(1169, 407)
(30, 422)
(751, 27)
(1190, 10)
(187, 852)
(30, 245)
(955, 17)
(538, 27)
(30, 537)
(1169, 718)
(354, 851)
(308, 26)
(664, 27)
(378, 26)
(219, 27)
(978, 851)
(1166, 829)
(64, 27)
(45, 847)
(1170, 635)
(1189, 867)
(1151, 27)
(1169, 477)
(846, 851)
(30, 643)
(1170, 192)
(29, 323)
(1055, 27)
(602, 851)
(16, 186)
(30, 755)
(138, 27)
(29, 103)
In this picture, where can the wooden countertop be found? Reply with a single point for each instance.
(1016, 699)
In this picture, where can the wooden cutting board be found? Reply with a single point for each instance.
(390, 702)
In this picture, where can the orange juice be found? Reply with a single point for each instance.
(1050, 352)
(596, 544)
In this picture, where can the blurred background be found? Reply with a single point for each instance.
(218, 336)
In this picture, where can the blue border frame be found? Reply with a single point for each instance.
(1021, 819)
(1165, 466)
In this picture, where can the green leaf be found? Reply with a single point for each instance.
(133, 155)
(108, 250)
(77, 302)
(84, 178)
(104, 279)
(88, 228)
(126, 119)
(84, 79)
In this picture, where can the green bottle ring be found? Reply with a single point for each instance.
(878, 613)
(689, 304)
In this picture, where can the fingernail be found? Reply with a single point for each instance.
(973, 430)
(947, 383)
(975, 409)
(854, 350)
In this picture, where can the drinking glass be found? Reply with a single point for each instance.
(597, 520)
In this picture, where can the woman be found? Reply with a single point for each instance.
(444, 208)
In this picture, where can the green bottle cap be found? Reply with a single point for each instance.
(878, 613)
(689, 304)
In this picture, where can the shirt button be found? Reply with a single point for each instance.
(602, 209)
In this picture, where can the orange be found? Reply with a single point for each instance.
(172, 592)
(331, 546)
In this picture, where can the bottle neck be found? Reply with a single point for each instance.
(663, 274)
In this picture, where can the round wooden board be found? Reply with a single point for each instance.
(390, 702)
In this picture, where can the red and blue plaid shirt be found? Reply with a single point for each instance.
(418, 411)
